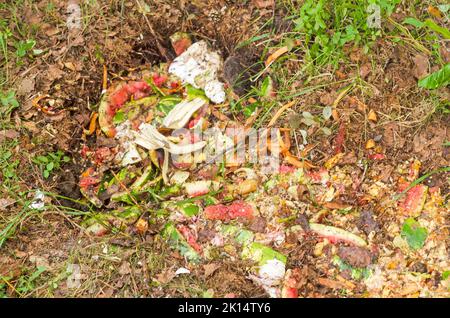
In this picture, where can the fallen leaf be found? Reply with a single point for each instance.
(435, 12)
(421, 66)
(370, 144)
(125, 268)
(5, 202)
(372, 116)
(334, 284)
(210, 268)
(165, 276)
(282, 50)
(8, 134)
(25, 87)
(262, 4)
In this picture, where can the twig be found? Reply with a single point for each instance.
(280, 112)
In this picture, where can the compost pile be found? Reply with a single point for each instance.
(153, 167)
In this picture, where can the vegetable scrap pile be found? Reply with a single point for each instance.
(371, 234)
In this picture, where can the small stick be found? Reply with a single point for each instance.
(280, 112)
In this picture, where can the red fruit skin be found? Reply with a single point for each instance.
(141, 86)
(131, 88)
(289, 292)
(193, 122)
(414, 199)
(181, 45)
(189, 237)
(198, 193)
(230, 212)
(159, 80)
(85, 182)
(119, 98)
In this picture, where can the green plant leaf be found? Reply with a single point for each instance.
(50, 166)
(414, 22)
(437, 79)
(414, 234)
(438, 29)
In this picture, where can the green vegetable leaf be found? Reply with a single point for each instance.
(119, 117)
(166, 104)
(414, 234)
(190, 209)
(437, 79)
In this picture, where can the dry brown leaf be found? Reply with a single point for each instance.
(372, 116)
(165, 276)
(421, 66)
(125, 268)
(8, 134)
(210, 268)
(435, 12)
(262, 4)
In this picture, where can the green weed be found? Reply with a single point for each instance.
(50, 162)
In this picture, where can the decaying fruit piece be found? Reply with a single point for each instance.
(334, 234)
(290, 282)
(180, 42)
(414, 201)
(198, 188)
(115, 98)
(235, 210)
